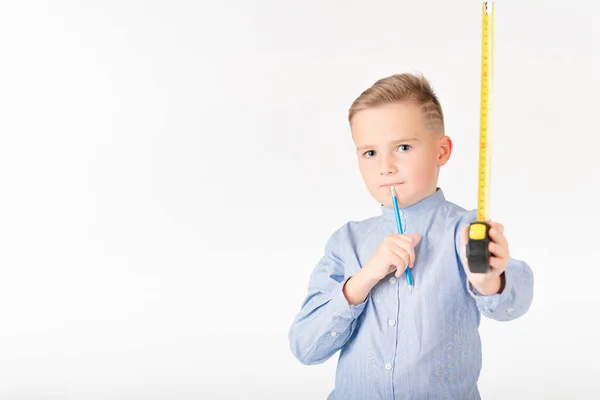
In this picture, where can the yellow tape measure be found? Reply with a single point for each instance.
(477, 250)
(487, 60)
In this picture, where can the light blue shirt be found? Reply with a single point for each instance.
(397, 344)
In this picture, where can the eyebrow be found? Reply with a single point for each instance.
(399, 141)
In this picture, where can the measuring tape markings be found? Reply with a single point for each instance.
(478, 247)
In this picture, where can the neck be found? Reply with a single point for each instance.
(427, 203)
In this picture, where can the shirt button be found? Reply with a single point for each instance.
(388, 366)
(401, 212)
(392, 280)
(333, 334)
(392, 322)
(510, 310)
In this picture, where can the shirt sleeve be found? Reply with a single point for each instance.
(326, 320)
(517, 294)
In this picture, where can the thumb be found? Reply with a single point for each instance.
(464, 235)
(416, 238)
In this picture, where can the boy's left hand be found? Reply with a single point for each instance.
(491, 282)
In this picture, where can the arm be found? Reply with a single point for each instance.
(505, 298)
(514, 299)
(326, 319)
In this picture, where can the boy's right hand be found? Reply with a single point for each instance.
(395, 253)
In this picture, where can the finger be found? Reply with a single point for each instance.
(405, 256)
(416, 238)
(405, 245)
(412, 239)
(497, 250)
(400, 264)
(497, 263)
(402, 254)
(497, 225)
(405, 250)
(464, 237)
(497, 236)
(402, 237)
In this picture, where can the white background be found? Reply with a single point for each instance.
(170, 172)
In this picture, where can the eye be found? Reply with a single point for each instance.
(404, 147)
(369, 153)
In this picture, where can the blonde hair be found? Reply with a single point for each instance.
(402, 88)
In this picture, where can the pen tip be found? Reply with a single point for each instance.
(393, 189)
(410, 288)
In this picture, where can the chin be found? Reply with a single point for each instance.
(383, 199)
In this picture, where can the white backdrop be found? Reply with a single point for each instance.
(170, 172)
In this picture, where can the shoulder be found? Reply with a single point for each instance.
(353, 231)
(456, 216)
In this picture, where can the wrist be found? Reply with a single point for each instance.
(358, 287)
(495, 286)
(366, 278)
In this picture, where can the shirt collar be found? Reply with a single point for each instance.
(428, 203)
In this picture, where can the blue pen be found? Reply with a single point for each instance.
(401, 231)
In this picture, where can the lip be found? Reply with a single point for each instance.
(391, 184)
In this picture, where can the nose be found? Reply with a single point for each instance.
(387, 166)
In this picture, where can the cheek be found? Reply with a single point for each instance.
(364, 170)
(369, 173)
(365, 166)
(424, 169)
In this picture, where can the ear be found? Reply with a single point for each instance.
(444, 150)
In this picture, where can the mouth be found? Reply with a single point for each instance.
(391, 184)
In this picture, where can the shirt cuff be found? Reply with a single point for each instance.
(488, 304)
(340, 305)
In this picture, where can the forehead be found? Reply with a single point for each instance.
(388, 122)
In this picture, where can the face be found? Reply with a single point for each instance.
(395, 147)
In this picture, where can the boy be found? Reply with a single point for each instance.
(396, 343)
